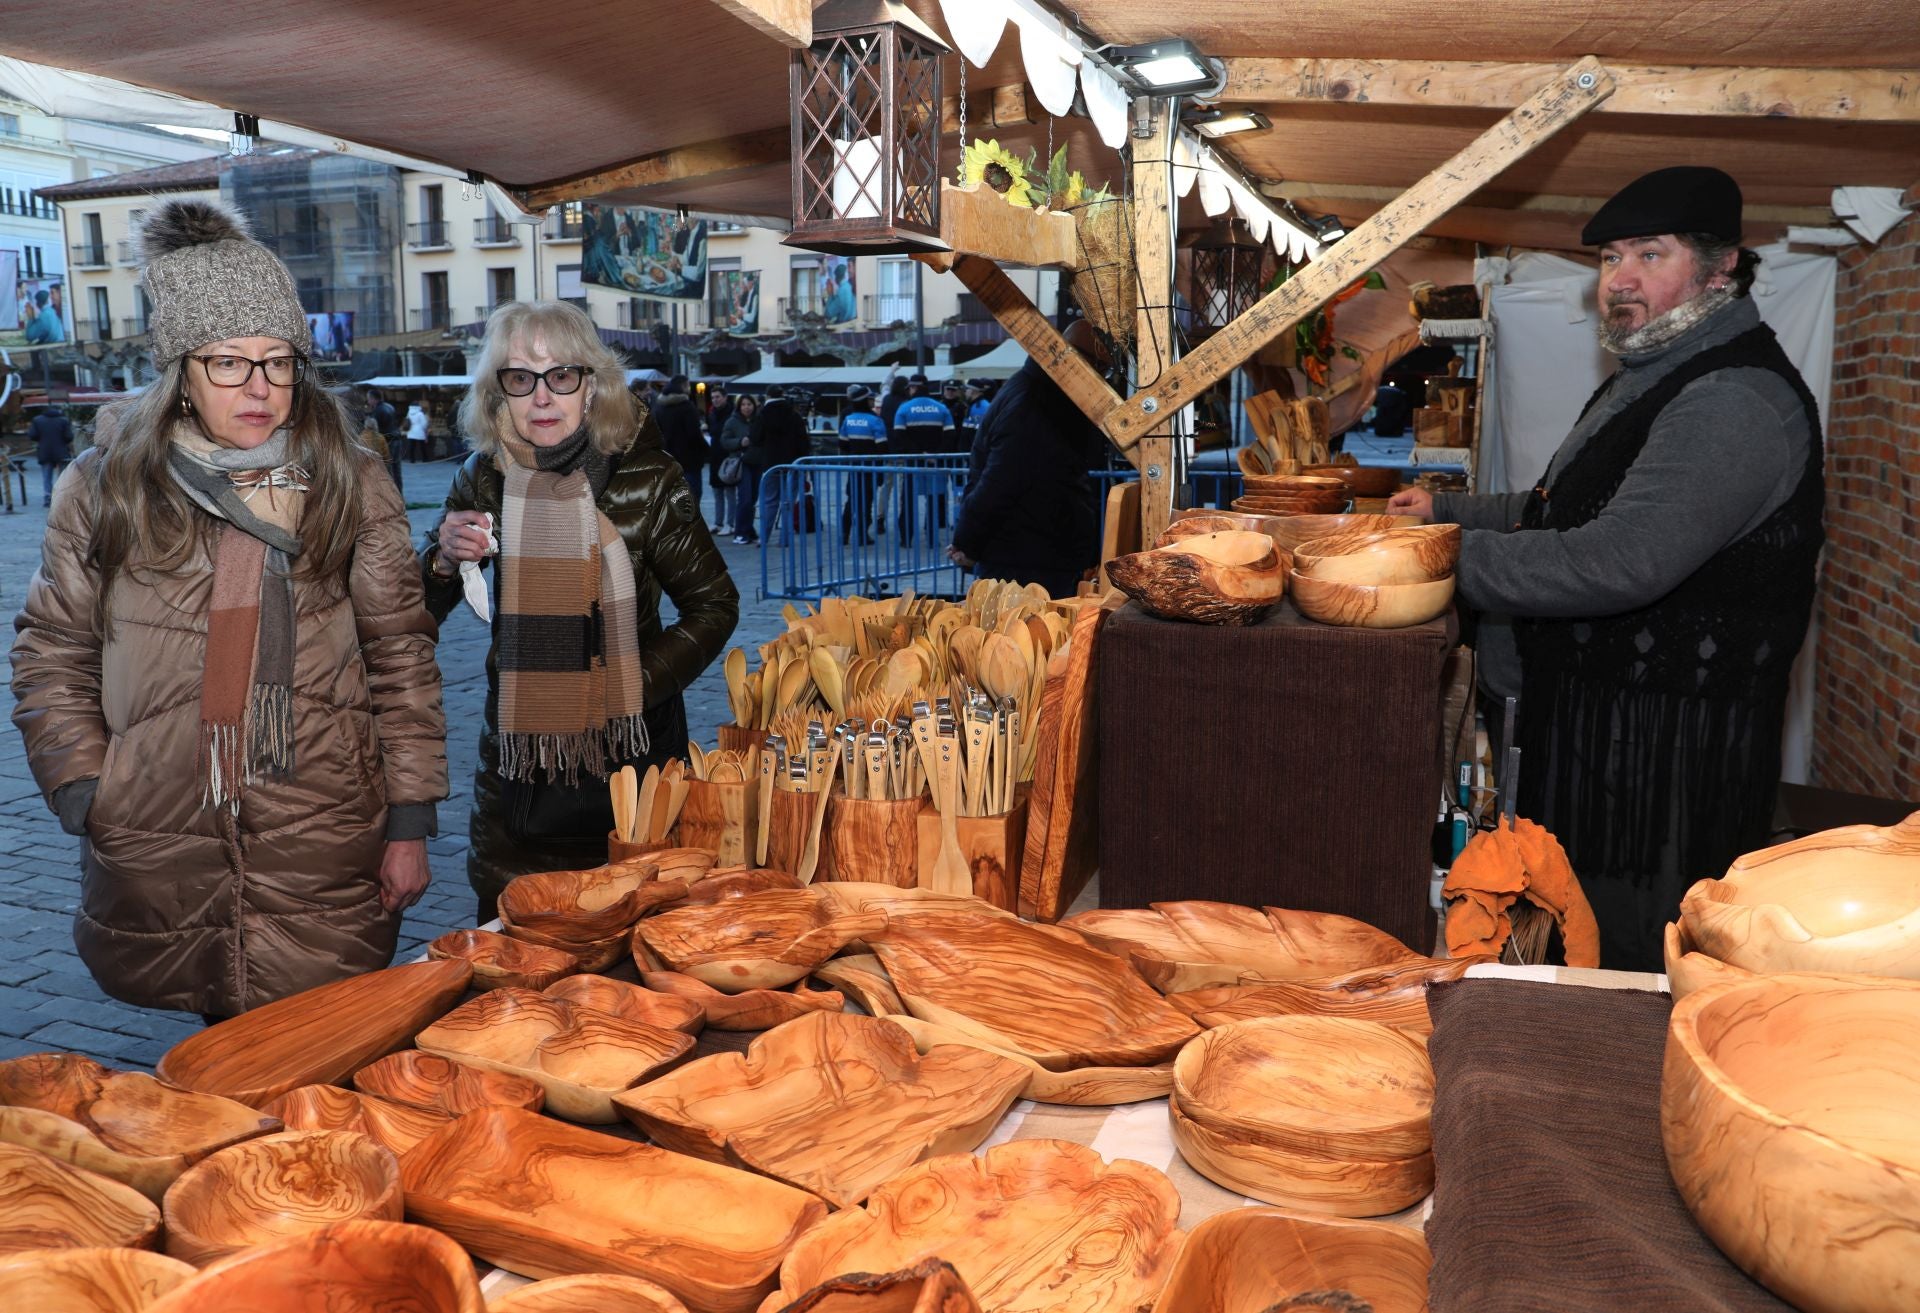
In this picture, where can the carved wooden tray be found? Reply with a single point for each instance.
(279, 1186)
(1082, 1087)
(831, 1103)
(87, 1280)
(1194, 945)
(861, 978)
(346, 1267)
(1030, 1225)
(601, 1292)
(427, 1080)
(631, 1002)
(754, 1009)
(582, 1057)
(500, 962)
(1392, 996)
(929, 1287)
(317, 1037)
(125, 1125)
(1250, 1260)
(545, 1199)
(1038, 990)
(398, 1126)
(851, 896)
(731, 882)
(1346, 1187)
(592, 954)
(760, 941)
(582, 906)
(46, 1204)
(1787, 1110)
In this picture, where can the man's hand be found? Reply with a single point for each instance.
(404, 875)
(959, 557)
(1412, 501)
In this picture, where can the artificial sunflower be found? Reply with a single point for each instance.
(1000, 169)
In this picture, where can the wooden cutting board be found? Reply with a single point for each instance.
(1072, 851)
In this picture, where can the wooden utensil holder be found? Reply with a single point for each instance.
(992, 846)
(872, 840)
(619, 850)
(787, 826)
(738, 738)
(719, 818)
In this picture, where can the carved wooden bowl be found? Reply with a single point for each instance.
(753, 1009)
(1193, 944)
(592, 954)
(500, 962)
(1842, 900)
(329, 1108)
(1415, 555)
(46, 1204)
(87, 1280)
(1081, 1087)
(427, 1080)
(631, 1002)
(849, 896)
(1227, 578)
(1297, 529)
(1317, 485)
(861, 978)
(601, 1292)
(732, 882)
(929, 1287)
(1346, 1187)
(1358, 606)
(1250, 1260)
(1390, 995)
(279, 1186)
(344, 1267)
(582, 906)
(1788, 1113)
(1361, 480)
(759, 941)
(125, 1125)
(1690, 970)
(580, 1056)
(1028, 1225)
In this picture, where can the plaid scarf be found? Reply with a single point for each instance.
(568, 629)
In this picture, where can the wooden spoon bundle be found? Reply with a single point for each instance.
(644, 811)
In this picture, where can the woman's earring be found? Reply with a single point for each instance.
(186, 406)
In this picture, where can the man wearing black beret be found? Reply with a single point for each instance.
(1646, 600)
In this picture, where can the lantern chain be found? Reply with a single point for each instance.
(961, 169)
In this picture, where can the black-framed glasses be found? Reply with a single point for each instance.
(560, 380)
(235, 371)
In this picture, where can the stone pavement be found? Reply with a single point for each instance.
(47, 999)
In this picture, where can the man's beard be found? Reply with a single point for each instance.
(1661, 329)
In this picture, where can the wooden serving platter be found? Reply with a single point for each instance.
(124, 1125)
(427, 1080)
(345, 1267)
(849, 897)
(929, 1287)
(279, 1186)
(731, 882)
(1190, 945)
(601, 1292)
(1250, 1260)
(759, 941)
(317, 1037)
(500, 962)
(1083, 1087)
(545, 1199)
(329, 1108)
(591, 954)
(832, 1103)
(46, 1204)
(582, 906)
(1038, 990)
(753, 1009)
(861, 978)
(1392, 996)
(87, 1280)
(580, 1056)
(631, 1003)
(1063, 829)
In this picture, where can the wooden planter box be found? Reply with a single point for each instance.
(976, 220)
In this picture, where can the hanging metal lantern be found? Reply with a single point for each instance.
(1229, 269)
(866, 131)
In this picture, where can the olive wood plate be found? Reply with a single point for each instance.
(1250, 1260)
(760, 941)
(852, 896)
(500, 962)
(861, 978)
(831, 1103)
(278, 1186)
(427, 1080)
(47, 1204)
(87, 1280)
(1390, 995)
(1182, 946)
(592, 955)
(1346, 1187)
(600, 1292)
(320, 1036)
(755, 1009)
(545, 1199)
(631, 1002)
(929, 1287)
(731, 882)
(1029, 1225)
(344, 1267)
(125, 1125)
(398, 1126)
(582, 906)
(1082, 1087)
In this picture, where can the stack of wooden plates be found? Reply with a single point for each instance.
(1293, 494)
(1368, 481)
(1384, 579)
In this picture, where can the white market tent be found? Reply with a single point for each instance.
(1001, 362)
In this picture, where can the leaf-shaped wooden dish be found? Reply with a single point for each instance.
(46, 1204)
(1194, 945)
(1346, 1187)
(592, 954)
(1250, 1260)
(582, 1057)
(761, 941)
(500, 962)
(427, 1080)
(125, 1125)
(87, 1280)
(849, 896)
(755, 1009)
(1030, 1225)
(861, 977)
(278, 1186)
(1037, 990)
(1082, 1087)
(601, 1292)
(631, 1002)
(731, 882)
(1787, 1111)
(831, 1103)
(1392, 996)
(583, 906)
(317, 1037)
(929, 1287)
(346, 1267)
(545, 1199)
(329, 1108)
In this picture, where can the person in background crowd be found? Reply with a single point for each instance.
(979, 396)
(46, 325)
(923, 426)
(681, 433)
(719, 408)
(416, 433)
(862, 434)
(730, 463)
(387, 420)
(370, 438)
(1031, 513)
(778, 436)
(957, 407)
(224, 671)
(52, 434)
(594, 522)
(898, 391)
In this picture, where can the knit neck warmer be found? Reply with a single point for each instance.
(1664, 330)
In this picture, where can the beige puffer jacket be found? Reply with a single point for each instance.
(171, 914)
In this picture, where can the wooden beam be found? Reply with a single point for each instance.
(1561, 101)
(1814, 216)
(790, 22)
(1865, 95)
(1153, 347)
(988, 110)
(704, 160)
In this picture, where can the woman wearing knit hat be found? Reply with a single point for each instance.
(224, 669)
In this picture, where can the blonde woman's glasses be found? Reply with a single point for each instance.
(234, 371)
(560, 380)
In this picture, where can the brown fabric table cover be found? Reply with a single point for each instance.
(1287, 763)
(1551, 1192)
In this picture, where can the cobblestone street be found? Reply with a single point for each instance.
(47, 999)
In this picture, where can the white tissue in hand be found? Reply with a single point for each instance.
(473, 585)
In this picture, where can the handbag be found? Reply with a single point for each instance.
(731, 470)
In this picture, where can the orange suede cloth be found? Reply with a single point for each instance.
(1500, 865)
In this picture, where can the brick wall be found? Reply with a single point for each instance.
(1867, 707)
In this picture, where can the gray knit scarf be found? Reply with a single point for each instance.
(1666, 329)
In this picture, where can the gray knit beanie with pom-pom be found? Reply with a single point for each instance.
(209, 280)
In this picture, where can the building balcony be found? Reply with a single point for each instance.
(27, 206)
(430, 316)
(91, 255)
(127, 253)
(433, 235)
(92, 330)
(972, 312)
(641, 315)
(881, 309)
(480, 312)
(793, 308)
(133, 326)
(563, 227)
(495, 231)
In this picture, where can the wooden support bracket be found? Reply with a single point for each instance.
(790, 22)
(1560, 102)
(703, 160)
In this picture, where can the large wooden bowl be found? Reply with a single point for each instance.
(1788, 1110)
(46, 1204)
(631, 1002)
(276, 1187)
(1842, 900)
(427, 1080)
(398, 1126)
(1391, 995)
(753, 1009)
(862, 978)
(929, 1287)
(1415, 555)
(582, 906)
(1688, 969)
(500, 962)
(345, 1267)
(600, 1292)
(1383, 606)
(124, 1125)
(1297, 529)
(730, 882)
(1361, 480)
(591, 954)
(1255, 504)
(759, 941)
(87, 1280)
(1345, 1187)
(1250, 1260)
(1319, 485)
(1227, 578)
(1193, 944)
(580, 1056)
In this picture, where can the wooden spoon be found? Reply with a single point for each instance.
(643, 805)
(810, 854)
(829, 676)
(950, 873)
(735, 669)
(625, 798)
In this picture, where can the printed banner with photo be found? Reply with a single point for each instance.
(649, 253)
(839, 300)
(33, 311)
(332, 336)
(736, 300)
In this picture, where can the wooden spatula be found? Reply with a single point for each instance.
(950, 873)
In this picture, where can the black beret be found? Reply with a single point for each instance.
(1687, 198)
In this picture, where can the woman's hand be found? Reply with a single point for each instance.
(1412, 501)
(463, 536)
(404, 874)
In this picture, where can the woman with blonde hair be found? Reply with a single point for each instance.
(587, 522)
(224, 668)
